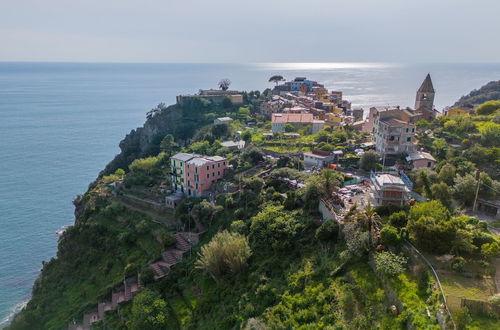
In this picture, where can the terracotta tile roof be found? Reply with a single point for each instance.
(292, 117)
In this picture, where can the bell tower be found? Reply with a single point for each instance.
(424, 101)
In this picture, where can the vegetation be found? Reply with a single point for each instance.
(268, 260)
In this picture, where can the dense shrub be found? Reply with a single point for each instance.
(390, 264)
(389, 236)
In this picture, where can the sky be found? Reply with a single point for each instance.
(238, 31)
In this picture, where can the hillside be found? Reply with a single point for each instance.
(279, 248)
(488, 92)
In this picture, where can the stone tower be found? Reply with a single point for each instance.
(424, 101)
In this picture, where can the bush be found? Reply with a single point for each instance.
(226, 253)
(398, 219)
(328, 231)
(274, 228)
(490, 250)
(147, 276)
(495, 299)
(389, 236)
(369, 160)
(239, 226)
(458, 264)
(390, 264)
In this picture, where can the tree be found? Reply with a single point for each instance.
(488, 108)
(389, 236)
(227, 253)
(224, 84)
(276, 79)
(274, 228)
(253, 155)
(490, 250)
(311, 197)
(168, 144)
(390, 264)
(442, 193)
(439, 147)
(398, 219)
(226, 103)
(221, 130)
(369, 160)
(447, 174)
(328, 231)
(246, 136)
(149, 311)
(464, 189)
(490, 134)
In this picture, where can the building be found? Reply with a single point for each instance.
(388, 189)
(193, 174)
(393, 132)
(297, 83)
(318, 159)
(223, 120)
(419, 159)
(215, 96)
(201, 172)
(177, 170)
(233, 145)
(279, 120)
(424, 101)
(174, 200)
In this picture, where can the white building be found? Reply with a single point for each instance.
(388, 189)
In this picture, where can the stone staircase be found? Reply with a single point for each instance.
(184, 241)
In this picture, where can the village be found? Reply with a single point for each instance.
(301, 126)
(301, 109)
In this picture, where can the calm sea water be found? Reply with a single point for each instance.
(61, 123)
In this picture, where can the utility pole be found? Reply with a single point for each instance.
(478, 178)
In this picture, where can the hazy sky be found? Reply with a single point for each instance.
(250, 31)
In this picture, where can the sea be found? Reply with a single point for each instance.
(60, 124)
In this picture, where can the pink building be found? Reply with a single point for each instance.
(201, 172)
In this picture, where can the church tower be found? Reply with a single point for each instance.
(424, 101)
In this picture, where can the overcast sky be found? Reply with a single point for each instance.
(250, 31)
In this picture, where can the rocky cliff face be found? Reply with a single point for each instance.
(144, 141)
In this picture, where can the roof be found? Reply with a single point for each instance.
(198, 161)
(182, 156)
(216, 158)
(388, 179)
(292, 117)
(310, 154)
(393, 121)
(426, 86)
(225, 118)
(420, 155)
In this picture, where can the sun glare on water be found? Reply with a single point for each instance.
(323, 66)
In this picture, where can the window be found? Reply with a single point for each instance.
(391, 138)
(429, 164)
(213, 173)
(218, 164)
(413, 130)
(208, 175)
(407, 129)
(224, 163)
(213, 166)
(208, 167)
(218, 172)
(408, 139)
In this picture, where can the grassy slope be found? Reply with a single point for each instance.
(97, 248)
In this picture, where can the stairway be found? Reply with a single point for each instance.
(172, 256)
